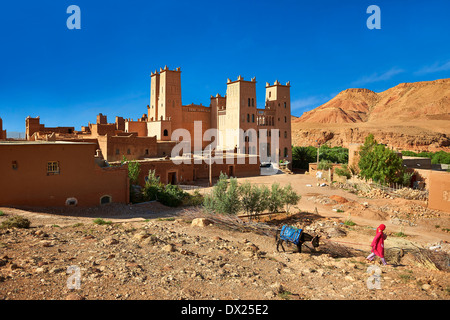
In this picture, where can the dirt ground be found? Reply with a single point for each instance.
(149, 251)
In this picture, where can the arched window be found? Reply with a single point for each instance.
(248, 117)
(285, 134)
(166, 133)
(249, 102)
(253, 118)
(285, 152)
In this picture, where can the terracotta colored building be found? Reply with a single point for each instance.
(439, 190)
(2, 132)
(37, 173)
(232, 112)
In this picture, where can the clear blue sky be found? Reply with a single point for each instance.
(68, 76)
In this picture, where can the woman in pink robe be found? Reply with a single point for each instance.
(378, 245)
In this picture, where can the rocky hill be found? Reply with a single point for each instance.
(409, 116)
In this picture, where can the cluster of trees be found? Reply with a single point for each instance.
(229, 197)
(439, 157)
(302, 156)
(381, 164)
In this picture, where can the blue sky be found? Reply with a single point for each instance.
(68, 76)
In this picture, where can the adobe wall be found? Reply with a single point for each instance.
(140, 127)
(192, 113)
(26, 182)
(189, 172)
(439, 191)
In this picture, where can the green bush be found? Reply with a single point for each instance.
(171, 195)
(290, 197)
(101, 222)
(229, 198)
(343, 171)
(275, 200)
(195, 199)
(16, 222)
(325, 165)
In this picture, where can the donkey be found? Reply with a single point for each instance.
(299, 237)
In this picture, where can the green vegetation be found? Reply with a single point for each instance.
(134, 168)
(169, 195)
(1, 213)
(15, 222)
(101, 222)
(399, 234)
(441, 157)
(228, 197)
(302, 156)
(349, 223)
(344, 171)
(379, 163)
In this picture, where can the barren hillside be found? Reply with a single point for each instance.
(409, 116)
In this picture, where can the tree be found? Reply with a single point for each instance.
(290, 197)
(275, 201)
(379, 163)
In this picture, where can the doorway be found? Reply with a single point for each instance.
(172, 178)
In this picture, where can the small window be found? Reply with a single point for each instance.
(128, 151)
(285, 134)
(285, 105)
(14, 165)
(71, 202)
(253, 118)
(52, 167)
(285, 119)
(146, 151)
(105, 199)
(248, 117)
(117, 151)
(166, 133)
(249, 102)
(285, 152)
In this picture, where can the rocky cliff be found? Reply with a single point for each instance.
(409, 116)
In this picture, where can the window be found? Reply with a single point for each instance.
(253, 118)
(52, 167)
(248, 117)
(285, 152)
(285, 119)
(117, 151)
(105, 199)
(146, 151)
(166, 133)
(285, 134)
(285, 105)
(14, 165)
(249, 102)
(128, 151)
(71, 202)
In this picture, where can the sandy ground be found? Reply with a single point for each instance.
(154, 252)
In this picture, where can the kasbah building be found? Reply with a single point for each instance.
(83, 168)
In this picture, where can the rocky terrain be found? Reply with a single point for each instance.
(152, 252)
(409, 116)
